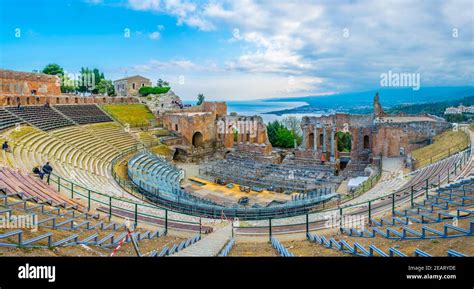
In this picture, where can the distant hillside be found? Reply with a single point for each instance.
(362, 102)
(435, 108)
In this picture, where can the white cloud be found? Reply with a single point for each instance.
(306, 38)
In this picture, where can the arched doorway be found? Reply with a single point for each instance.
(366, 142)
(198, 140)
(311, 141)
(8, 101)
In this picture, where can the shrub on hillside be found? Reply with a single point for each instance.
(144, 91)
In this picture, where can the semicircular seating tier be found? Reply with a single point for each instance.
(154, 175)
(82, 154)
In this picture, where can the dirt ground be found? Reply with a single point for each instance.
(253, 249)
(310, 249)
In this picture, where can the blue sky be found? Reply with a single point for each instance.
(245, 49)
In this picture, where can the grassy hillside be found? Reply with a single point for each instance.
(132, 114)
(435, 108)
(443, 144)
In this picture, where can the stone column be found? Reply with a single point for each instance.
(324, 139)
(303, 142)
(332, 144)
(315, 139)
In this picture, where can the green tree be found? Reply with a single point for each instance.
(344, 141)
(272, 128)
(68, 85)
(53, 69)
(280, 136)
(162, 83)
(105, 87)
(201, 99)
(285, 138)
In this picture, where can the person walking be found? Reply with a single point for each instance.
(47, 170)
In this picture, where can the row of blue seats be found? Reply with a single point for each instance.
(225, 251)
(280, 248)
(418, 216)
(411, 234)
(166, 251)
(106, 242)
(358, 250)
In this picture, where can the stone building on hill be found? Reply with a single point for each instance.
(129, 86)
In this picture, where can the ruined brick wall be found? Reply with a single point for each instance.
(211, 120)
(251, 133)
(12, 100)
(190, 125)
(320, 132)
(217, 108)
(17, 83)
(392, 138)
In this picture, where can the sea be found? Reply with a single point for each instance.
(349, 102)
(262, 107)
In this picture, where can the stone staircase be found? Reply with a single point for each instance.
(210, 245)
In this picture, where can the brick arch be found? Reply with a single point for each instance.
(366, 141)
(198, 139)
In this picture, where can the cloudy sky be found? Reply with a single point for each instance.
(245, 49)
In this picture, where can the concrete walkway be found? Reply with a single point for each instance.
(210, 245)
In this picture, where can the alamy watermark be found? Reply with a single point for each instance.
(9, 221)
(238, 126)
(335, 220)
(394, 79)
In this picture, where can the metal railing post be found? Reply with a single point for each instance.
(427, 187)
(307, 223)
(200, 226)
(370, 212)
(270, 228)
(72, 190)
(88, 200)
(59, 184)
(340, 218)
(393, 204)
(411, 196)
(136, 215)
(166, 222)
(110, 208)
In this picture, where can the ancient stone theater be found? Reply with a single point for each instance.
(372, 135)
